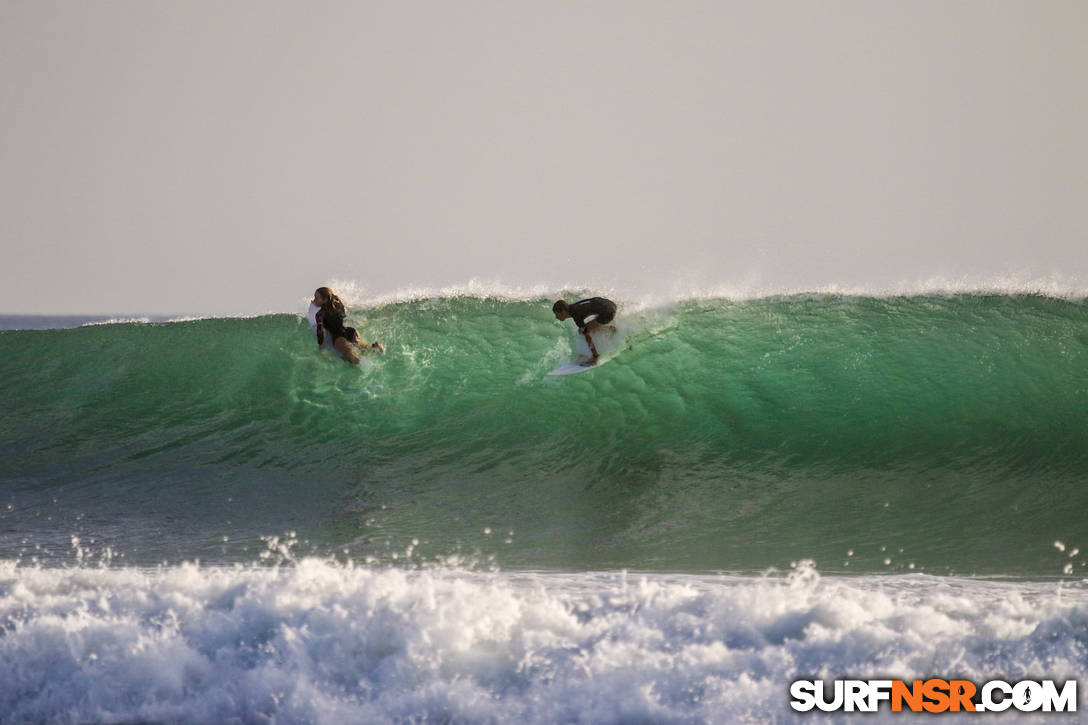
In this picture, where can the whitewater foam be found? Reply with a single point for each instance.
(678, 290)
(316, 641)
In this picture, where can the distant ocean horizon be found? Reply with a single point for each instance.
(65, 322)
(208, 519)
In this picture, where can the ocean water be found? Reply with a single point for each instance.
(210, 520)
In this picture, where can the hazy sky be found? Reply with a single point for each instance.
(228, 157)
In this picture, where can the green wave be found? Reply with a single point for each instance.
(721, 435)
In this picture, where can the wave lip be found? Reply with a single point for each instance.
(668, 292)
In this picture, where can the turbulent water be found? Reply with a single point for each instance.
(211, 519)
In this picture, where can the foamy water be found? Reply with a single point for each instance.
(322, 642)
(676, 289)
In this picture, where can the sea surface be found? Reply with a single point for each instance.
(212, 520)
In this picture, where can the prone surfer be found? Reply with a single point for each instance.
(330, 319)
(601, 310)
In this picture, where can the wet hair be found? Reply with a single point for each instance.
(560, 306)
(332, 302)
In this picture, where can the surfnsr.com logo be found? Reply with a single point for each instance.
(933, 695)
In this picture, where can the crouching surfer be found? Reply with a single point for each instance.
(601, 310)
(330, 321)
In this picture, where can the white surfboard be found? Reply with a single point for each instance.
(311, 315)
(573, 368)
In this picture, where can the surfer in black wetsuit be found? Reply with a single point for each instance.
(330, 319)
(600, 309)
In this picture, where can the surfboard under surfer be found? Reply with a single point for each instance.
(330, 320)
(601, 310)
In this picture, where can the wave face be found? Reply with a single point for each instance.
(939, 433)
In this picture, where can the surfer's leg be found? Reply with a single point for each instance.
(345, 349)
(592, 347)
(361, 344)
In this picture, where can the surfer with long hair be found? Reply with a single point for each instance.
(330, 320)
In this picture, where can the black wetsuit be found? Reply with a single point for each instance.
(604, 309)
(332, 321)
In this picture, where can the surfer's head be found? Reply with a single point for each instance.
(561, 310)
(323, 297)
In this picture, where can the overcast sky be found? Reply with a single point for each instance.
(228, 157)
